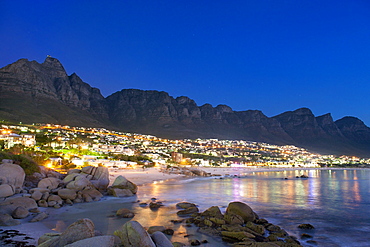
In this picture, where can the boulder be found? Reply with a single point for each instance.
(6, 190)
(160, 240)
(120, 192)
(125, 213)
(217, 221)
(100, 176)
(241, 209)
(155, 205)
(70, 177)
(213, 211)
(7, 220)
(49, 183)
(79, 182)
(153, 229)
(20, 213)
(39, 217)
(92, 193)
(233, 219)
(168, 231)
(190, 210)
(98, 241)
(43, 204)
(54, 200)
(306, 226)
(10, 204)
(37, 195)
(122, 183)
(237, 235)
(256, 228)
(81, 229)
(132, 234)
(67, 194)
(73, 171)
(42, 190)
(47, 236)
(13, 175)
(185, 205)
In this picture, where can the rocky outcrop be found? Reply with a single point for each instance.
(132, 234)
(122, 187)
(241, 209)
(79, 230)
(11, 179)
(246, 230)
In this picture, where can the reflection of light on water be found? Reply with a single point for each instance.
(60, 226)
(238, 191)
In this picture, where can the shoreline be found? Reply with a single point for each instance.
(142, 178)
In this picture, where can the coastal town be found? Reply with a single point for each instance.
(63, 147)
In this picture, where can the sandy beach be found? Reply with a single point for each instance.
(141, 178)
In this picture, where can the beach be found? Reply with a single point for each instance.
(143, 178)
(139, 176)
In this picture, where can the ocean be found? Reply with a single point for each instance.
(336, 202)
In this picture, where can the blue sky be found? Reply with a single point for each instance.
(266, 55)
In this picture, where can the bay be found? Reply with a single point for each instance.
(336, 202)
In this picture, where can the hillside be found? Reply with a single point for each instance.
(32, 92)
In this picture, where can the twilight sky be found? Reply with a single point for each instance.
(266, 55)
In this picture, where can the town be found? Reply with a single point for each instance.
(65, 147)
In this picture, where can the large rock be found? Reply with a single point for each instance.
(13, 175)
(120, 192)
(161, 240)
(213, 211)
(125, 213)
(7, 220)
(185, 205)
(20, 213)
(91, 194)
(98, 241)
(47, 237)
(49, 183)
(37, 195)
(10, 204)
(6, 190)
(190, 210)
(70, 177)
(241, 209)
(237, 235)
(132, 234)
(100, 176)
(79, 182)
(39, 217)
(122, 183)
(81, 229)
(154, 229)
(54, 200)
(67, 194)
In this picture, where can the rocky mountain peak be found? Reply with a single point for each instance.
(54, 66)
(224, 108)
(303, 111)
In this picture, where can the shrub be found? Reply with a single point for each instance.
(29, 166)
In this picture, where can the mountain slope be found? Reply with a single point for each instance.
(34, 92)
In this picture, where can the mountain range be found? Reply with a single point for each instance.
(44, 93)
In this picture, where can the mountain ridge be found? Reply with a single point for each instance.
(44, 92)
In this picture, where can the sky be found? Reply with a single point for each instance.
(267, 55)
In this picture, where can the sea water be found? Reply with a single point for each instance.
(335, 202)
